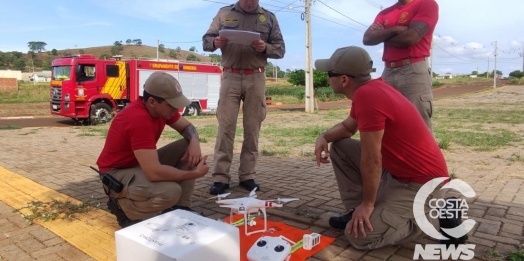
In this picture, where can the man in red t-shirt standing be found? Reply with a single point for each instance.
(378, 176)
(154, 181)
(406, 29)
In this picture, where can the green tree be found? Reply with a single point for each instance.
(47, 64)
(192, 49)
(191, 57)
(137, 42)
(269, 70)
(498, 72)
(117, 48)
(129, 41)
(31, 54)
(173, 53)
(36, 46)
(17, 54)
(19, 64)
(81, 51)
(38, 63)
(474, 73)
(517, 74)
(54, 52)
(320, 79)
(215, 58)
(297, 77)
(161, 48)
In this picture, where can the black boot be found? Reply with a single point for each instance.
(121, 218)
(249, 185)
(340, 222)
(218, 188)
(452, 223)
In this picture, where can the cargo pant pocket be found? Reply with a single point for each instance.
(426, 100)
(397, 227)
(263, 112)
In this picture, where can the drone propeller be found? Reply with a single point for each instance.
(284, 200)
(220, 196)
(253, 192)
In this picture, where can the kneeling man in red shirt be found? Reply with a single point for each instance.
(379, 175)
(154, 181)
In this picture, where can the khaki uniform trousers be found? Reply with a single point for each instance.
(251, 89)
(415, 83)
(142, 199)
(392, 219)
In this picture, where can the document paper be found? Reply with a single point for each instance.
(239, 37)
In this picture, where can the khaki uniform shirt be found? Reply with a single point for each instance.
(239, 56)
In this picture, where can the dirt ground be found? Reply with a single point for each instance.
(42, 109)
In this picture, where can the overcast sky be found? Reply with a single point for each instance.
(465, 35)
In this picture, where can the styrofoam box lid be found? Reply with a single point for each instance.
(177, 233)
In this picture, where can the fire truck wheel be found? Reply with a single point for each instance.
(101, 113)
(192, 110)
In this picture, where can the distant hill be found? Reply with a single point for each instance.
(43, 59)
(142, 51)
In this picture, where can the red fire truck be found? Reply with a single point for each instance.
(86, 88)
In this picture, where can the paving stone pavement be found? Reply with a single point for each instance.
(59, 158)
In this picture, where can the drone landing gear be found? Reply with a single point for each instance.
(249, 222)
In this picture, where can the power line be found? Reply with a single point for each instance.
(345, 25)
(286, 6)
(378, 6)
(333, 18)
(342, 14)
(279, 8)
(452, 54)
(179, 42)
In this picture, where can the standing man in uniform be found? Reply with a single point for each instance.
(243, 80)
(406, 29)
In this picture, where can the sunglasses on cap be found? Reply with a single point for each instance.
(334, 74)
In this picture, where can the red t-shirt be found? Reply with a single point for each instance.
(132, 129)
(409, 151)
(425, 11)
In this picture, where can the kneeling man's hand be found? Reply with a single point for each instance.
(202, 168)
(360, 220)
(321, 150)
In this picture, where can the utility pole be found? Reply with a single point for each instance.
(276, 72)
(522, 55)
(157, 45)
(310, 93)
(487, 72)
(33, 65)
(495, 71)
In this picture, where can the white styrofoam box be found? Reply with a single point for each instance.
(178, 236)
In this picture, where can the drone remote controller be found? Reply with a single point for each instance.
(270, 248)
(310, 241)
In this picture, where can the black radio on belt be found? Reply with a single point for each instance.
(110, 182)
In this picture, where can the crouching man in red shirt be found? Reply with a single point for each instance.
(155, 181)
(379, 175)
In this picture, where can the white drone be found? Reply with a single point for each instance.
(250, 206)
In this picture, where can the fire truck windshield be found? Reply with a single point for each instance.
(61, 73)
